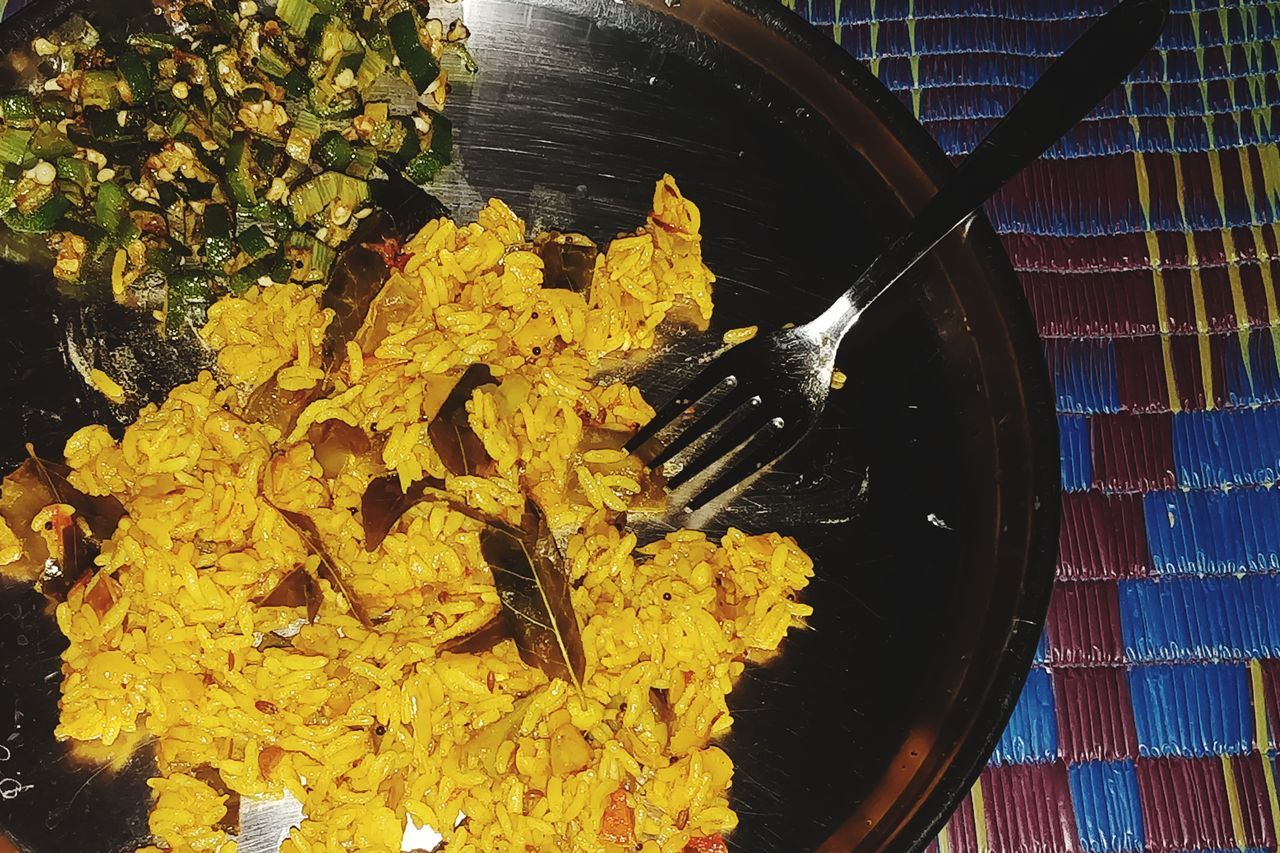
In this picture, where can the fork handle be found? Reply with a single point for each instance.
(1070, 88)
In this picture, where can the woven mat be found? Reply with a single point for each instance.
(1147, 245)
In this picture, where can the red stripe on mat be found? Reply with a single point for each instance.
(1128, 251)
(1271, 690)
(1028, 808)
(1184, 804)
(1091, 305)
(1095, 714)
(1132, 453)
(1255, 802)
(1084, 624)
(1140, 374)
(1188, 367)
(1102, 536)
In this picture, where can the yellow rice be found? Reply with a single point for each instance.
(176, 660)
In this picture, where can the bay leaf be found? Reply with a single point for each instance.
(533, 587)
(459, 447)
(483, 638)
(329, 568)
(296, 589)
(357, 277)
(384, 502)
(567, 265)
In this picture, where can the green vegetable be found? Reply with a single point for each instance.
(254, 243)
(189, 294)
(14, 145)
(337, 40)
(110, 207)
(328, 103)
(312, 258)
(362, 163)
(8, 190)
(426, 165)
(53, 107)
(42, 221)
(162, 43)
(296, 83)
(104, 127)
(273, 266)
(415, 58)
(178, 123)
(332, 151)
(136, 73)
(49, 143)
(18, 109)
(403, 144)
(100, 89)
(76, 171)
(296, 15)
(317, 194)
(272, 62)
(218, 247)
(371, 68)
(239, 176)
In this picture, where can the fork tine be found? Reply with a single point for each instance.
(752, 458)
(704, 424)
(697, 388)
(725, 444)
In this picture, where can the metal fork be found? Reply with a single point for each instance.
(764, 395)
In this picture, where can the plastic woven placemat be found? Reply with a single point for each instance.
(1148, 248)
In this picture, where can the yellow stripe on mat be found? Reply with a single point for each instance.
(980, 818)
(1261, 737)
(1153, 257)
(944, 840)
(1197, 284)
(1233, 802)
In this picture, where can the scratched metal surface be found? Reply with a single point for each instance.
(927, 495)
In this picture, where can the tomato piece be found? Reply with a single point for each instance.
(706, 844)
(618, 824)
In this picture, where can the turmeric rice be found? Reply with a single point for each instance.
(375, 728)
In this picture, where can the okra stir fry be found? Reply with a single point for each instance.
(227, 144)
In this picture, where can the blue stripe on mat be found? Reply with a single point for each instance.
(1032, 733)
(1108, 807)
(1151, 102)
(1213, 532)
(1194, 710)
(1019, 37)
(891, 10)
(1239, 447)
(1216, 618)
(1084, 374)
(1076, 455)
(992, 68)
(1259, 384)
(1116, 137)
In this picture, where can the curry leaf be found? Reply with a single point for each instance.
(355, 281)
(483, 638)
(567, 265)
(329, 570)
(459, 447)
(384, 502)
(272, 405)
(296, 589)
(534, 590)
